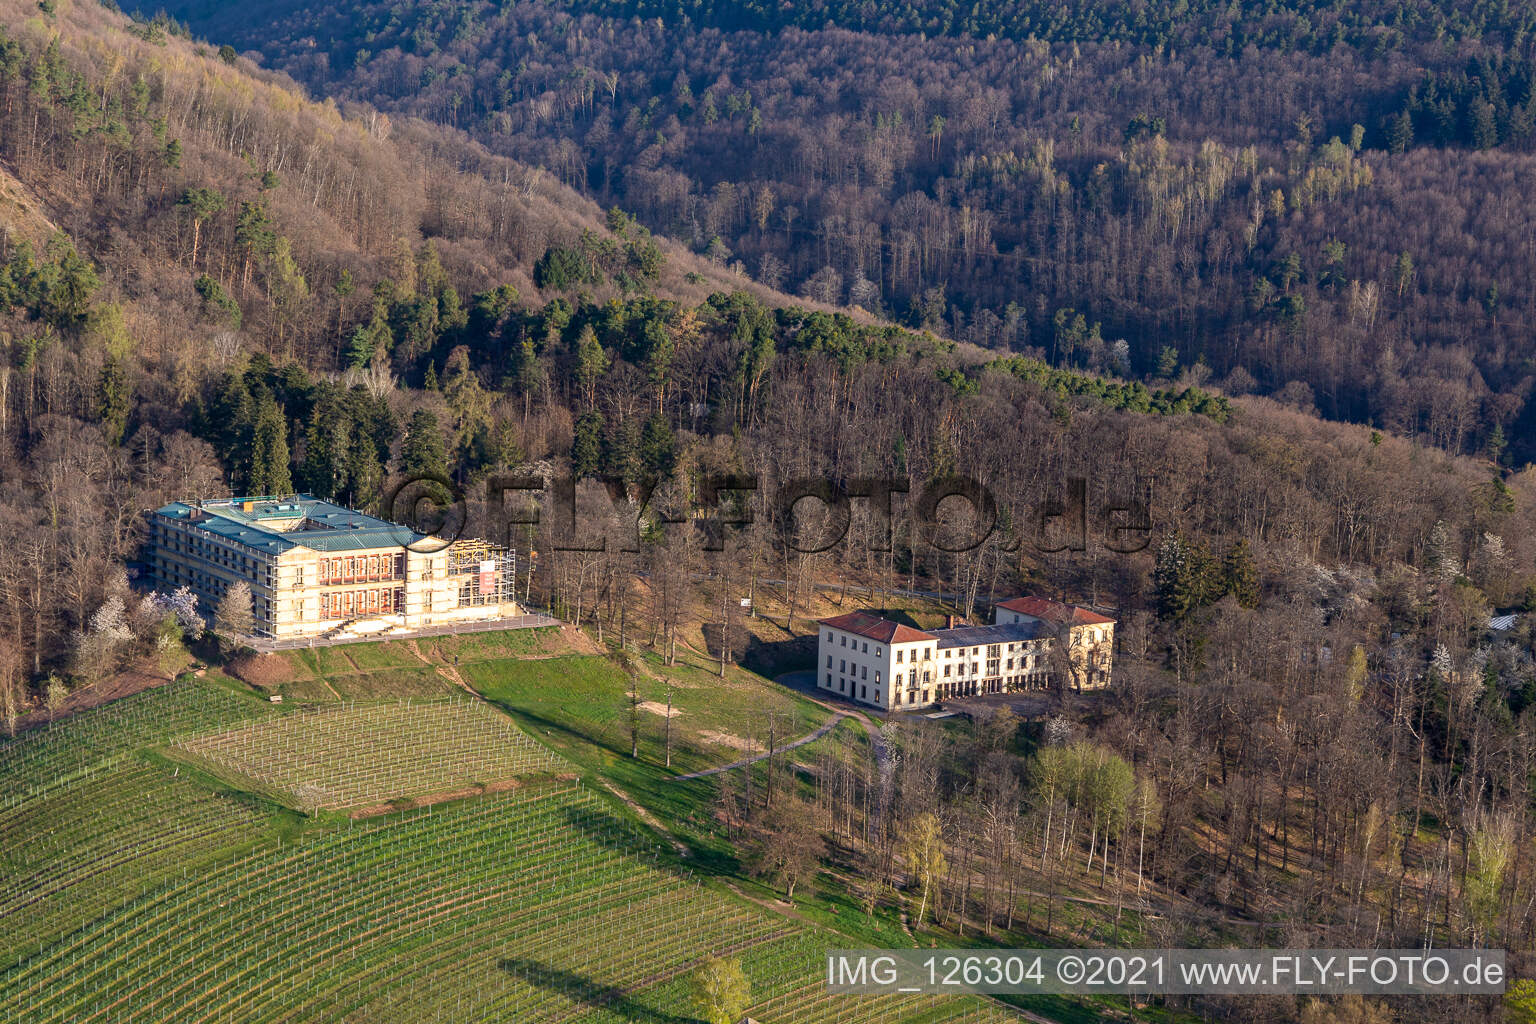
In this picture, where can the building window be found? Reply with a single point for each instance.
(829, 681)
(865, 673)
(844, 640)
(899, 655)
(866, 649)
(877, 677)
(842, 665)
(829, 661)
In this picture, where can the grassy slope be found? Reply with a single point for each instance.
(522, 682)
(577, 704)
(575, 701)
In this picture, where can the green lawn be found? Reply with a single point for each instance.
(419, 681)
(600, 930)
(511, 643)
(580, 705)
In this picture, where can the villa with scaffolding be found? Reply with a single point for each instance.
(317, 569)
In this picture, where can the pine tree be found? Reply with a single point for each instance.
(423, 452)
(1497, 443)
(286, 287)
(1181, 578)
(1441, 557)
(467, 399)
(621, 450)
(591, 364)
(201, 204)
(114, 400)
(1239, 577)
(658, 446)
(373, 429)
(369, 340)
(587, 446)
(254, 236)
(269, 453)
(327, 444)
(1400, 132)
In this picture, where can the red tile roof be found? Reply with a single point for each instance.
(1054, 611)
(874, 627)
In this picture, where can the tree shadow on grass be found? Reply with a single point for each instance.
(631, 839)
(539, 726)
(587, 992)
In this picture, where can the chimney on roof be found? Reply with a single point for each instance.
(949, 622)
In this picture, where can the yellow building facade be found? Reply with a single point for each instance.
(318, 569)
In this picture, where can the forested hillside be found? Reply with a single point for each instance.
(211, 283)
(1323, 203)
(200, 271)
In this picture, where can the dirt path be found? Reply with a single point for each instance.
(802, 741)
(579, 641)
(651, 821)
(448, 672)
(804, 684)
(428, 799)
(777, 906)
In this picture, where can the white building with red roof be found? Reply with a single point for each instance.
(1089, 636)
(873, 660)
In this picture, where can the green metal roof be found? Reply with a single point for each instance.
(352, 540)
(324, 526)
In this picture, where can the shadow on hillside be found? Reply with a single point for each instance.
(587, 992)
(770, 658)
(631, 839)
(542, 727)
(740, 640)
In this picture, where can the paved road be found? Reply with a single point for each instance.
(805, 684)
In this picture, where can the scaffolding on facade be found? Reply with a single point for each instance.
(487, 573)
